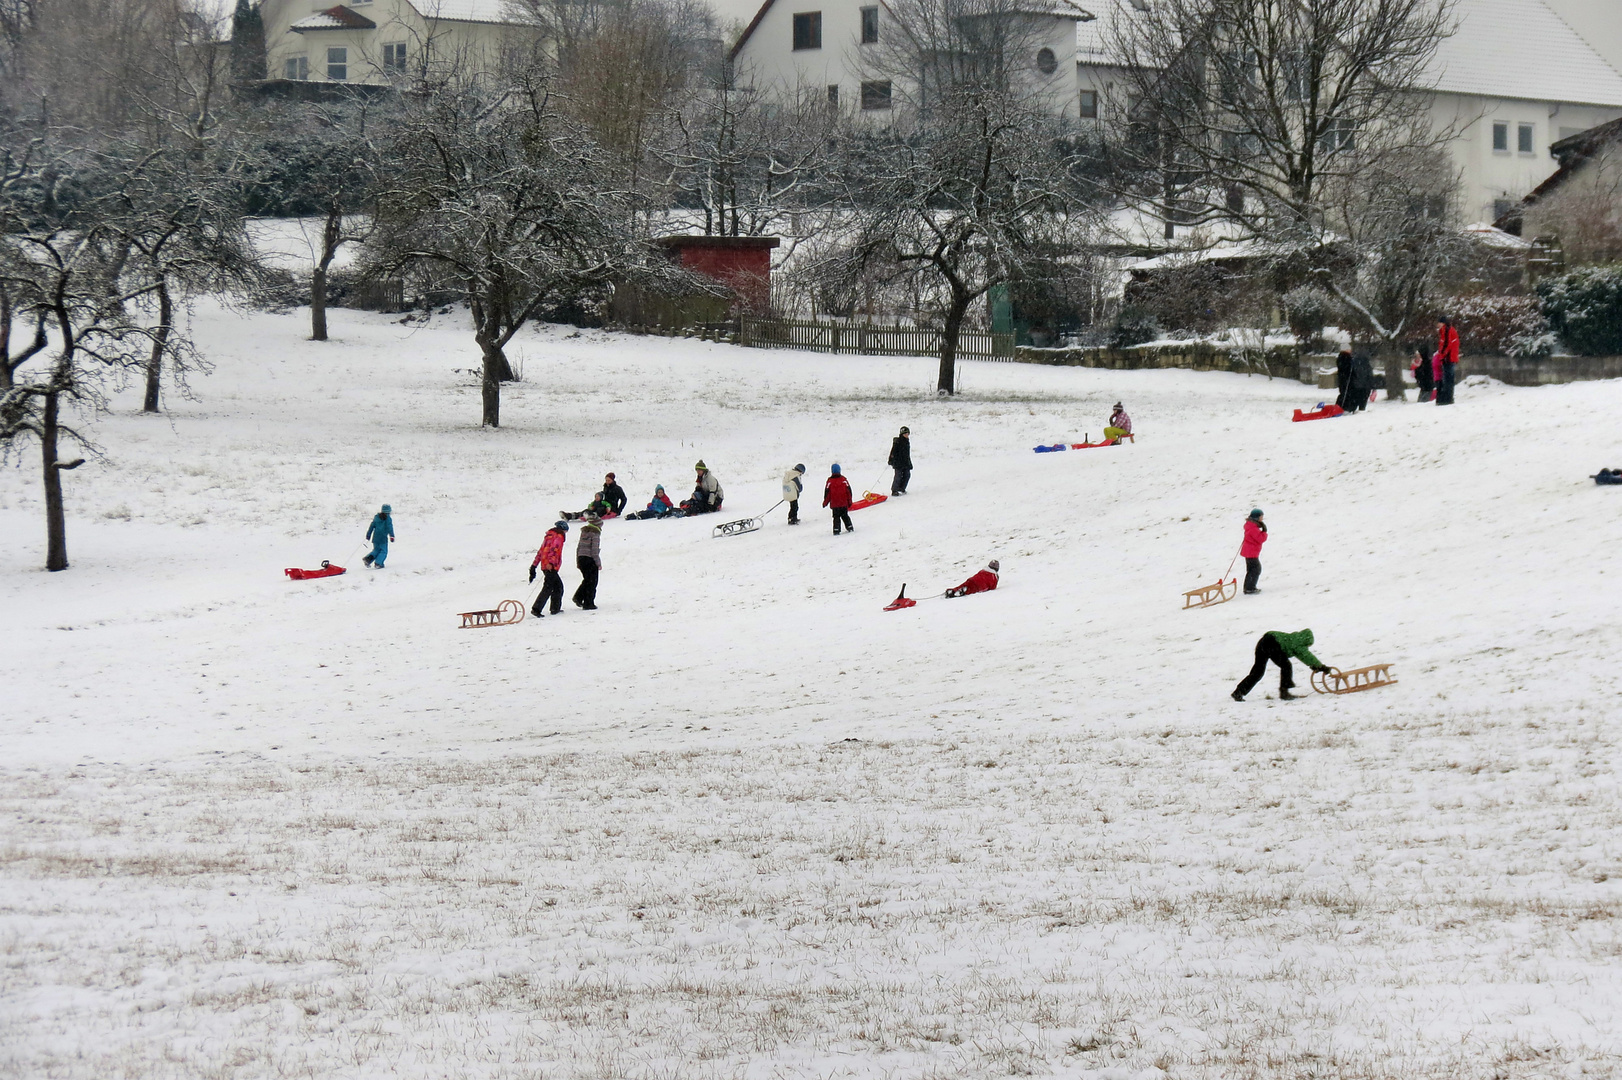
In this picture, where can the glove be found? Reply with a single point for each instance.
(1322, 668)
(532, 575)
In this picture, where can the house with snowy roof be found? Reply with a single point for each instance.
(373, 42)
(1515, 77)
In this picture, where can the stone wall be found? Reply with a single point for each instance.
(1279, 361)
(1287, 362)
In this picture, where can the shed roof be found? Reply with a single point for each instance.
(333, 18)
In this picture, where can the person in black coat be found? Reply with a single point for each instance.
(901, 462)
(613, 495)
(1360, 385)
(1343, 376)
(1421, 367)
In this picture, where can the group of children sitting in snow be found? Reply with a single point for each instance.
(610, 501)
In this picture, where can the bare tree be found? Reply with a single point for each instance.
(499, 194)
(1245, 111)
(977, 181)
(68, 277)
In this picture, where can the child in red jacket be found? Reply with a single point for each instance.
(836, 494)
(984, 581)
(1251, 549)
(550, 560)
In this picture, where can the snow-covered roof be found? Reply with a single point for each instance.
(1484, 232)
(1095, 38)
(478, 11)
(1522, 49)
(334, 18)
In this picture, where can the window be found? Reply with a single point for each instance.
(297, 68)
(833, 95)
(1500, 136)
(1046, 62)
(394, 57)
(876, 95)
(1089, 104)
(1502, 207)
(1523, 138)
(1339, 135)
(808, 30)
(337, 63)
(870, 25)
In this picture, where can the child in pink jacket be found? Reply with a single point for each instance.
(1251, 549)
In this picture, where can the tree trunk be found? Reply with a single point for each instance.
(946, 383)
(56, 531)
(495, 362)
(160, 342)
(318, 303)
(1395, 365)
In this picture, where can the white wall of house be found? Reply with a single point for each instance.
(767, 59)
(1494, 179)
(367, 54)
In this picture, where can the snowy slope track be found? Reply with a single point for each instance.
(741, 822)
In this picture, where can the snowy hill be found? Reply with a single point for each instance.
(742, 821)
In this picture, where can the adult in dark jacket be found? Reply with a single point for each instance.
(836, 494)
(901, 461)
(1343, 376)
(588, 558)
(1360, 384)
(1278, 646)
(613, 495)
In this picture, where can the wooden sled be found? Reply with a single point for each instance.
(1211, 595)
(869, 498)
(735, 528)
(504, 614)
(1336, 681)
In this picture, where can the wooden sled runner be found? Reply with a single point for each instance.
(1210, 595)
(504, 614)
(735, 528)
(1336, 681)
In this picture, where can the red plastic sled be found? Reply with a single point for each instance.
(901, 601)
(327, 570)
(868, 499)
(1092, 445)
(1322, 414)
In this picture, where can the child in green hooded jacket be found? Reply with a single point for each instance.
(1279, 646)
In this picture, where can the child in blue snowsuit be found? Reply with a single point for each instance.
(380, 532)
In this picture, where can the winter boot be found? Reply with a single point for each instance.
(1237, 696)
(367, 560)
(1285, 695)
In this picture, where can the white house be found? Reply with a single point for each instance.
(837, 50)
(1514, 78)
(378, 41)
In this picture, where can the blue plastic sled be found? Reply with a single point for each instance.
(1051, 449)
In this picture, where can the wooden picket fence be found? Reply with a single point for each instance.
(868, 340)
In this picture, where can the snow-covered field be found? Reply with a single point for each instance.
(740, 822)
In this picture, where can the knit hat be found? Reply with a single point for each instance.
(658, 487)
(591, 517)
(906, 431)
(836, 470)
(561, 526)
(387, 509)
(1256, 513)
(701, 464)
(610, 476)
(799, 468)
(994, 564)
